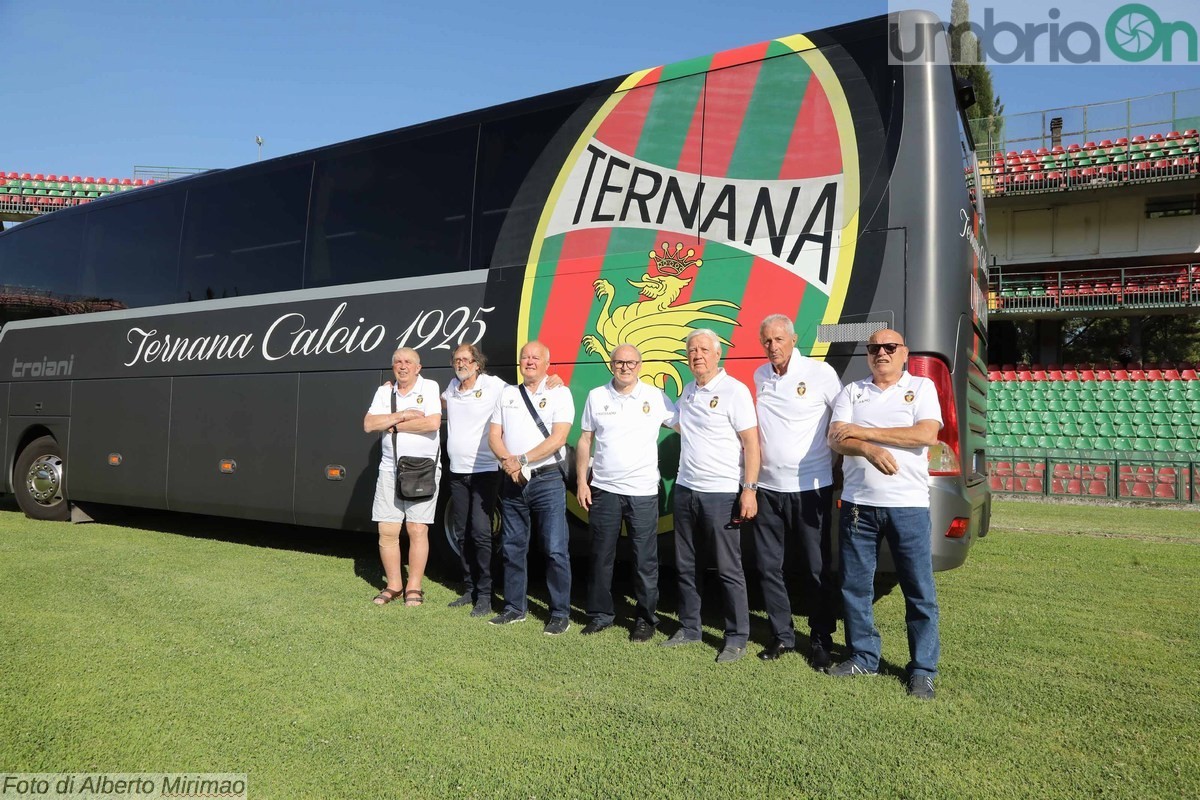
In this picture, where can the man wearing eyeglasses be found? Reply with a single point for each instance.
(795, 487)
(474, 473)
(884, 426)
(714, 492)
(623, 418)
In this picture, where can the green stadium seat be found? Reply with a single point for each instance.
(1072, 405)
(1122, 444)
(1035, 428)
(1183, 431)
(1182, 406)
(1160, 418)
(1143, 445)
(1069, 428)
(1008, 441)
(1164, 446)
(1028, 441)
(1101, 443)
(1185, 445)
(1144, 430)
(1087, 428)
(1164, 432)
(1064, 443)
(1105, 428)
(1125, 405)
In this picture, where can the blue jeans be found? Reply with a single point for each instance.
(907, 530)
(540, 504)
(702, 532)
(604, 521)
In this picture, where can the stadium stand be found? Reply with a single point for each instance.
(1117, 431)
(1095, 289)
(29, 194)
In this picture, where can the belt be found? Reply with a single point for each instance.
(533, 473)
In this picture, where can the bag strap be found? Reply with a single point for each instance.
(558, 459)
(396, 453)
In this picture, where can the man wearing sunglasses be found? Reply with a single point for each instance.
(795, 487)
(884, 426)
(623, 417)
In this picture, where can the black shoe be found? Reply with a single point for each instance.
(463, 599)
(820, 654)
(595, 627)
(507, 618)
(556, 625)
(921, 687)
(849, 669)
(775, 649)
(678, 639)
(483, 607)
(642, 632)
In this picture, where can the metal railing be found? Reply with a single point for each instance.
(1128, 118)
(1172, 286)
(1097, 476)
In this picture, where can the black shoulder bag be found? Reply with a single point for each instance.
(415, 476)
(567, 469)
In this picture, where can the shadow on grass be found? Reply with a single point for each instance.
(359, 549)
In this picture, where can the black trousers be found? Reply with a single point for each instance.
(473, 503)
(640, 515)
(796, 520)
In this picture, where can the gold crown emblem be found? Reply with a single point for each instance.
(674, 263)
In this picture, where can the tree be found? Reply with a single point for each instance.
(987, 115)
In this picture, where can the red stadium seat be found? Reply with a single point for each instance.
(1097, 488)
(1142, 490)
(1074, 486)
(1034, 485)
(1165, 491)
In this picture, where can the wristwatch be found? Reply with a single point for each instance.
(751, 486)
(522, 460)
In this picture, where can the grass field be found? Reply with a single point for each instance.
(1071, 668)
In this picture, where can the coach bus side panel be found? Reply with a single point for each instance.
(233, 445)
(336, 462)
(118, 448)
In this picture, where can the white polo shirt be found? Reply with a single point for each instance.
(793, 424)
(709, 419)
(626, 428)
(902, 405)
(468, 414)
(521, 433)
(424, 397)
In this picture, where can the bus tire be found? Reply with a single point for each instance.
(39, 481)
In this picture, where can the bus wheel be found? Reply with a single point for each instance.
(38, 481)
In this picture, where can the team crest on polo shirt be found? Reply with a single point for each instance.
(909, 396)
(479, 392)
(646, 408)
(542, 404)
(801, 389)
(420, 399)
(713, 403)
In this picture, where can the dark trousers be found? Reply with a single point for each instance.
(472, 503)
(640, 515)
(801, 520)
(703, 531)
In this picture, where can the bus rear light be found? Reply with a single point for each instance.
(335, 472)
(958, 528)
(114, 459)
(227, 465)
(944, 457)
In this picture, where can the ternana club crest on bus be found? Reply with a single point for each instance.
(656, 323)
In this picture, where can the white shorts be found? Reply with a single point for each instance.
(389, 508)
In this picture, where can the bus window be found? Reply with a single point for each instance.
(508, 151)
(394, 211)
(245, 236)
(131, 251)
(39, 269)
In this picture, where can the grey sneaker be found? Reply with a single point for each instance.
(483, 607)
(507, 618)
(556, 625)
(730, 654)
(849, 669)
(921, 687)
(678, 638)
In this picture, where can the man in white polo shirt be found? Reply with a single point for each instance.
(531, 451)
(469, 401)
(623, 417)
(884, 426)
(414, 423)
(795, 487)
(714, 491)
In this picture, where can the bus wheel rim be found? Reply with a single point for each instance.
(44, 480)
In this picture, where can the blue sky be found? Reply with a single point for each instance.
(96, 88)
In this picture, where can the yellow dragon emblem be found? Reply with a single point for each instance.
(655, 326)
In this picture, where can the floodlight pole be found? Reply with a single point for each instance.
(258, 140)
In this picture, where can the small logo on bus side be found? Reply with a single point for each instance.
(45, 368)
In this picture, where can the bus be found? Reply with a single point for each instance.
(209, 344)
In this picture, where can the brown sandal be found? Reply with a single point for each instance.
(386, 596)
(414, 597)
